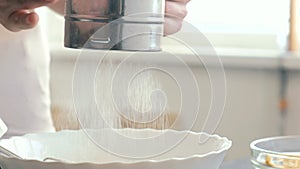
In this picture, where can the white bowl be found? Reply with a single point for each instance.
(74, 150)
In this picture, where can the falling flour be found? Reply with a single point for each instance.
(119, 95)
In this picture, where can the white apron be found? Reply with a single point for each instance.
(24, 82)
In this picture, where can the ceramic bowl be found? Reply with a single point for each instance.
(80, 150)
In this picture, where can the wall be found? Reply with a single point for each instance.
(251, 109)
(293, 94)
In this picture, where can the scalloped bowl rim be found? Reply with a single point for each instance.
(225, 147)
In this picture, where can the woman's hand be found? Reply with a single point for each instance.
(174, 15)
(16, 15)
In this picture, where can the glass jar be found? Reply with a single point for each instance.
(276, 153)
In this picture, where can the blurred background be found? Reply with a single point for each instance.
(257, 41)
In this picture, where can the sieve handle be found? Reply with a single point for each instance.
(100, 40)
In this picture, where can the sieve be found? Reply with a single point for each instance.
(134, 25)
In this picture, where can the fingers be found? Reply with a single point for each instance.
(16, 15)
(180, 1)
(175, 12)
(172, 26)
(175, 9)
(20, 20)
(31, 4)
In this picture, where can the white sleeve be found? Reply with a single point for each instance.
(24, 82)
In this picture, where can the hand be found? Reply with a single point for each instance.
(175, 12)
(16, 15)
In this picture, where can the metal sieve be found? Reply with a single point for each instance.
(114, 24)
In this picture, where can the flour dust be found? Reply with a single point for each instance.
(117, 95)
